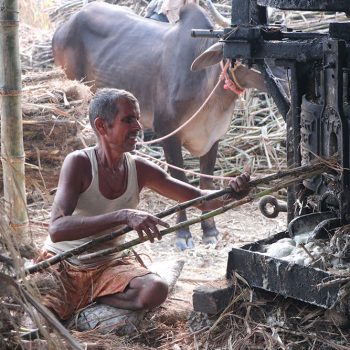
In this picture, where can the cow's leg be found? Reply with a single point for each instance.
(173, 155)
(207, 164)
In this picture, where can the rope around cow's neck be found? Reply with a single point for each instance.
(234, 86)
(231, 84)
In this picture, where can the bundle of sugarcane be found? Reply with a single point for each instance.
(279, 180)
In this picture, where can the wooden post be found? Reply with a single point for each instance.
(12, 150)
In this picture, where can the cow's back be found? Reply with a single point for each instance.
(83, 34)
(112, 47)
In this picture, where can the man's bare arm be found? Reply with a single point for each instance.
(65, 227)
(155, 178)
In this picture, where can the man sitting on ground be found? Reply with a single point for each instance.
(98, 192)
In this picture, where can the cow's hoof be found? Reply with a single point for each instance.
(184, 243)
(210, 232)
(190, 243)
(213, 240)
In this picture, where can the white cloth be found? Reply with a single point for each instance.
(171, 8)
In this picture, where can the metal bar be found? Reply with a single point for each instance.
(207, 33)
(301, 51)
(309, 5)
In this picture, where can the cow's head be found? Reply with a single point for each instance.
(244, 77)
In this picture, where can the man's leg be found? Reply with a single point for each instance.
(143, 293)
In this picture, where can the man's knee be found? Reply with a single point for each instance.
(154, 291)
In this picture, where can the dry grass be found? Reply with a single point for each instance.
(257, 135)
(35, 13)
(255, 319)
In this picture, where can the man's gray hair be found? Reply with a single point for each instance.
(104, 104)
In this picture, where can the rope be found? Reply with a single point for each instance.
(18, 226)
(12, 159)
(230, 84)
(235, 80)
(183, 170)
(5, 92)
(184, 124)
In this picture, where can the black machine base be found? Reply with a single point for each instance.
(307, 284)
(303, 283)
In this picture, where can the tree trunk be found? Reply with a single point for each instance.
(12, 150)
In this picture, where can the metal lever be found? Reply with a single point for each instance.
(207, 33)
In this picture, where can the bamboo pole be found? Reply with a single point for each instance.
(12, 150)
(297, 173)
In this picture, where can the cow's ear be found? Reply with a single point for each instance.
(209, 57)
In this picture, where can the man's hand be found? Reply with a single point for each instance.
(43, 255)
(144, 223)
(240, 186)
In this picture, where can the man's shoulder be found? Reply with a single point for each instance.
(77, 158)
(82, 154)
(140, 160)
(146, 165)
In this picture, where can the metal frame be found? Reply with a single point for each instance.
(317, 114)
(319, 70)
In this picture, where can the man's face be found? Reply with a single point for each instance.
(122, 134)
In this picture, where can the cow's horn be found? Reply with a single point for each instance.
(211, 56)
(217, 16)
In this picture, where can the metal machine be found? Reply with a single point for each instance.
(317, 115)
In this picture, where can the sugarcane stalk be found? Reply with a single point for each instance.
(75, 251)
(203, 217)
(298, 174)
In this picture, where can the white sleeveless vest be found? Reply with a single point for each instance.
(91, 202)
